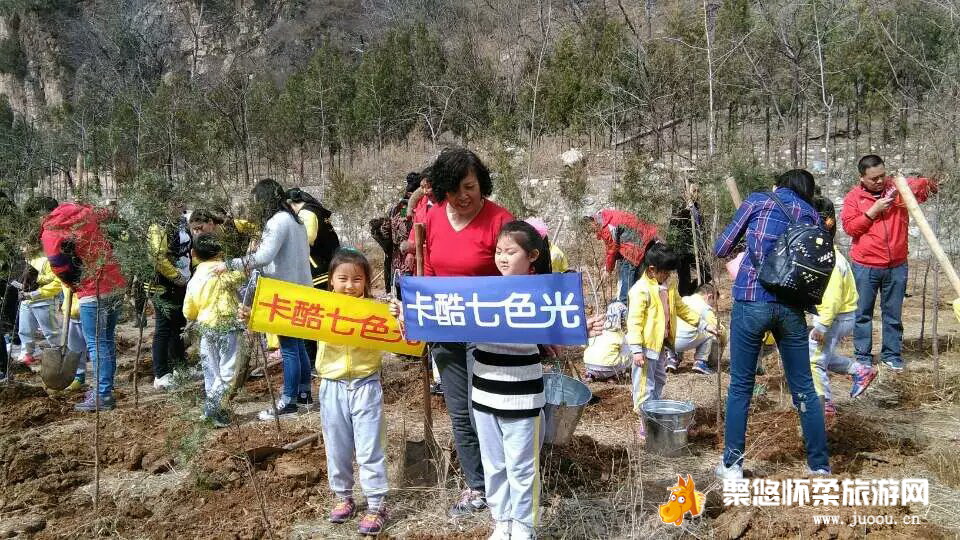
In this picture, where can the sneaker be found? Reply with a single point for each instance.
(733, 472)
(641, 431)
(818, 472)
(862, 377)
(829, 412)
(520, 531)
(371, 524)
(30, 360)
(343, 511)
(76, 386)
(672, 364)
(304, 398)
(435, 389)
(284, 408)
(470, 501)
(893, 364)
(163, 383)
(89, 403)
(501, 531)
(700, 366)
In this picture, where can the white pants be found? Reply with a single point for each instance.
(76, 343)
(510, 451)
(40, 315)
(218, 357)
(825, 357)
(649, 379)
(351, 413)
(701, 345)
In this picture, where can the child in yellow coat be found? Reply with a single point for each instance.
(211, 302)
(652, 321)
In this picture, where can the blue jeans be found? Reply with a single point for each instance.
(100, 339)
(748, 323)
(296, 367)
(627, 275)
(892, 285)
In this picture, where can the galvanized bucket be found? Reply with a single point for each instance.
(565, 399)
(667, 422)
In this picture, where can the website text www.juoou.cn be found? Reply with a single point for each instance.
(857, 520)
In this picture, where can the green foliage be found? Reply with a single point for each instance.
(12, 59)
(506, 184)
(641, 190)
(573, 187)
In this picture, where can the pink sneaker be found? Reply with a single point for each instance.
(641, 431)
(372, 524)
(343, 511)
(862, 377)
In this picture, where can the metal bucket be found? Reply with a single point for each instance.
(565, 399)
(667, 422)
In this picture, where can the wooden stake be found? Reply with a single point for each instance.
(914, 208)
(733, 190)
(136, 360)
(419, 232)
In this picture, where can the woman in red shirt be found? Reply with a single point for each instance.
(461, 238)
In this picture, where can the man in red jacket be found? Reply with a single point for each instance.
(876, 218)
(626, 237)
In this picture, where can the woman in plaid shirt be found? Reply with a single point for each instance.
(755, 311)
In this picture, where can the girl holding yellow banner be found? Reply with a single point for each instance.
(351, 407)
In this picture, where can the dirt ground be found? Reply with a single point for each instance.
(165, 474)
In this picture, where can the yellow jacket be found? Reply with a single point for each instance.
(699, 304)
(212, 300)
(645, 321)
(558, 259)
(840, 295)
(74, 307)
(311, 223)
(341, 362)
(48, 284)
(158, 245)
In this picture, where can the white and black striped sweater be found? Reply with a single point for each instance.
(508, 380)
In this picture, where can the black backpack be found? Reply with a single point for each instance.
(798, 267)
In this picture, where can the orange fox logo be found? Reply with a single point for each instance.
(683, 498)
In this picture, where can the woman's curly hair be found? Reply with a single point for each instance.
(452, 166)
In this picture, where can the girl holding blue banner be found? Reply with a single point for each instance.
(351, 407)
(508, 400)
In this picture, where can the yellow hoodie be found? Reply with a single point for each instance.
(212, 300)
(646, 326)
(840, 296)
(48, 284)
(342, 362)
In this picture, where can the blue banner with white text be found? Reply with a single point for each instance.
(545, 309)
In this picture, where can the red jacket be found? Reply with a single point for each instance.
(625, 236)
(78, 251)
(881, 242)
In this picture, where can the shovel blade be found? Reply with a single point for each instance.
(57, 370)
(263, 453)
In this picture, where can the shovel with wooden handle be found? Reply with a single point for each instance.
(58, 366)
(263, 453)
(914, 208)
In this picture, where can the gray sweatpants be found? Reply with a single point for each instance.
(351, 412)
(76, 343)
(218, 358)
(825, 357)
(40, 315)
(510, 451)
(649, 380)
